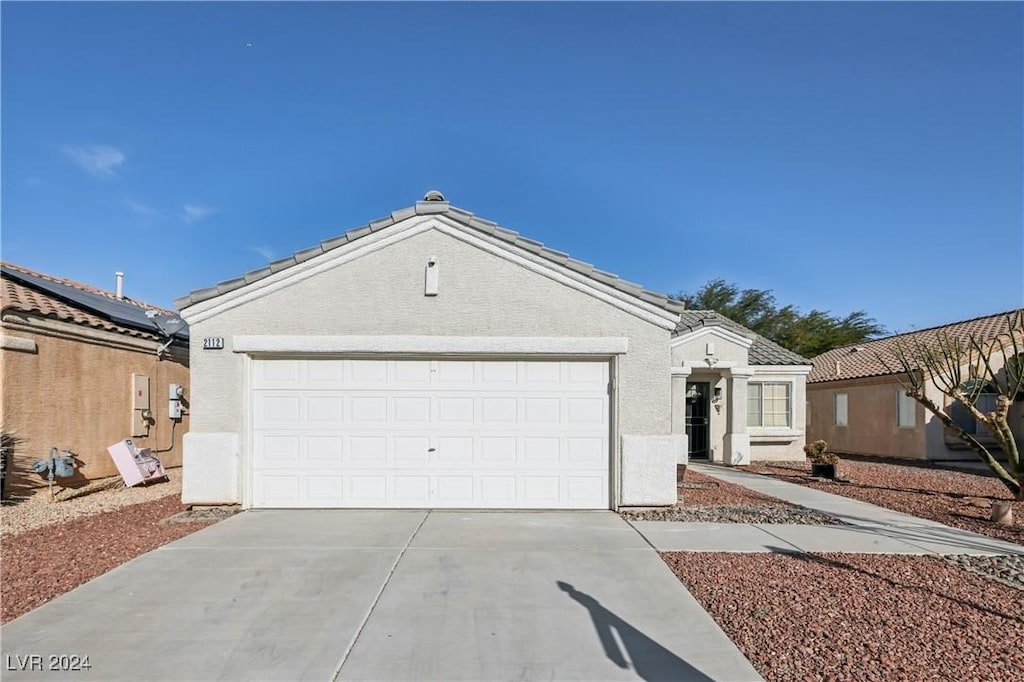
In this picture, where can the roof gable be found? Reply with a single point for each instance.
(454, 221)
(869, 358)
(762, 351)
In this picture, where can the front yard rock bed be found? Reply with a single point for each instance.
(954, 498)
(49, 560)
(859, 617)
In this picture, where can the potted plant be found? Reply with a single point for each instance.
(823, 462)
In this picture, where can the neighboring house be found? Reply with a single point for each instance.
(436, 359)
(858, 405)
(82, 369)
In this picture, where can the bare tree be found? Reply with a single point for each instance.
(962, 367)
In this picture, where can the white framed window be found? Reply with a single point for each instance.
(768, 403)
(906, 410)
(839, 405)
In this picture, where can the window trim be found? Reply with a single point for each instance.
(846, 409)
(902, 402)
(761, 413)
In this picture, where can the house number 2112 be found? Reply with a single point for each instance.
(213, 342)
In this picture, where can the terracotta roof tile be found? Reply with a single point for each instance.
(861, 360)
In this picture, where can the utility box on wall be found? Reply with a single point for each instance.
(141, 413)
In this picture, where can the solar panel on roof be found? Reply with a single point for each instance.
(121, 312)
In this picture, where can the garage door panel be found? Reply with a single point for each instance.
(325, 450)
(324, 490)
(367, 490)
(454, 491)
(369, 409)
(411, 410)
(438, 433)
(411, 490)
(455, 450)
(368, 450)
(459, 410)
(273, 409)
(324, 408)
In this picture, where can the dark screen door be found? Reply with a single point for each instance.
(697, 404)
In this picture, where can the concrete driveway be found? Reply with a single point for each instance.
(384, 595)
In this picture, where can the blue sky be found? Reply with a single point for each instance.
(847, 156)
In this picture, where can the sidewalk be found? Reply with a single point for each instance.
(870, 529)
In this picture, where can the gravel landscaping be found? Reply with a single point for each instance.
(859, 617)
(703, 498)
(23, 513)
(955, 498)
(52, 558)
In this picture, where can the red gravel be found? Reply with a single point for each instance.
(955, 498)
(699, 490)
(859, 617)
(47, 562)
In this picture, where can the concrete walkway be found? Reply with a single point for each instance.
(384, 595)
(870, 528)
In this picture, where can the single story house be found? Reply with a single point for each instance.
(433, 358)
(83, 368)
(859, 406)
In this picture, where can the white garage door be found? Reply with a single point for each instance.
(430, 433)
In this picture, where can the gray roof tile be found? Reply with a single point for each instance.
(231, 284)
(403, 213)
(381, 223)
(431, 207)
(334, 242)
(282, 264)
(762, 351)
(254, 275)
(458, 215)
(482, 224)
(306, 254)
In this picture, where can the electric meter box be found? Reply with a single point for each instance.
(135, 465)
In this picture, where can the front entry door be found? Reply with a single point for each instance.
(697, 422)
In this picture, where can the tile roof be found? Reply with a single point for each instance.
(857, 361)
(762, 351)
(458, 215)
(21, 292)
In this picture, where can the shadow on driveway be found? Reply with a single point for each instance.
(651, 661)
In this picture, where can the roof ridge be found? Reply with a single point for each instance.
(458, 215)
(926, 329)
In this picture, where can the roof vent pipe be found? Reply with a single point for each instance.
(433, 195)
(120, 284)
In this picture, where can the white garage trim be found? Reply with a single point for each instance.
(430, 433)
(423, 345)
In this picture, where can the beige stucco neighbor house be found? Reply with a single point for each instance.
(435, 359)
(73, 360)
(859, 407)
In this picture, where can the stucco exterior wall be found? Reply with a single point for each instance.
(75, 390)
(382, 294)
(871, 420)
(696, 350)
(873, 428)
